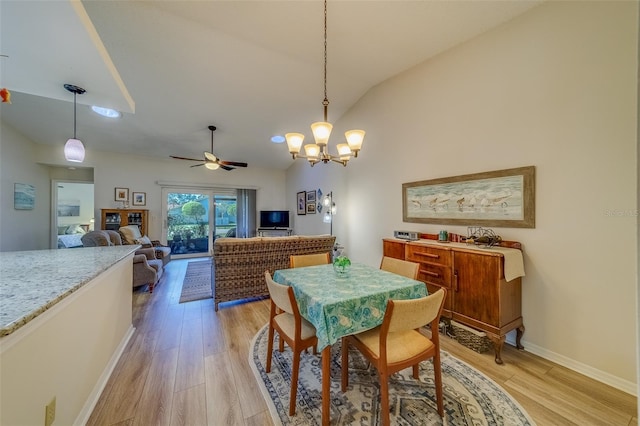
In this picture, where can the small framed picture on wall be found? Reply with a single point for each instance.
(311, 197)
(139, 199)
(122, 194)
(311, 208)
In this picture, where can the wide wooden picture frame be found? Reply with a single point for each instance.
(501, 198)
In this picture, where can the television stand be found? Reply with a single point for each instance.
(274, 232)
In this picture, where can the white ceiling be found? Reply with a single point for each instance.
(252, 68)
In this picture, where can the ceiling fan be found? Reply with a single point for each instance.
(211, 161)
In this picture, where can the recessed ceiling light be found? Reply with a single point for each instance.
(277, 139)
(106, 112)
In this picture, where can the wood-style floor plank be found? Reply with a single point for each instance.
(223, 405)
(189, 407)
(188, 365)
(157, 398)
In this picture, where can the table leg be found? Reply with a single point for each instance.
(326, 384)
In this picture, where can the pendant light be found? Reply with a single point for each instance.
(318, 151)
(74, 149)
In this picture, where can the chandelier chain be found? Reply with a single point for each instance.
(325, 102)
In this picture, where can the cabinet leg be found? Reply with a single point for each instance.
(498, 342)
(519, 333)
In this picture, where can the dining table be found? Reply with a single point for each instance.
(339, 305)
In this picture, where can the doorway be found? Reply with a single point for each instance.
(72, 212)
(194, 218)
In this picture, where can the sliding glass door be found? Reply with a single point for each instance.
(194, 217)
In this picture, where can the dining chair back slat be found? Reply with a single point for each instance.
(400, 267)
(301, 260)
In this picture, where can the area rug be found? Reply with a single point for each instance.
(197, 281)
(470, 397)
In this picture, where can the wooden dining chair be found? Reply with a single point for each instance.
(400, 267)
(398, 344)
(300, 260)
(299, 333)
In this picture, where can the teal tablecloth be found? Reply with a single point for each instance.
(341, 306)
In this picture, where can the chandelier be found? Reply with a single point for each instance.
(318, 151)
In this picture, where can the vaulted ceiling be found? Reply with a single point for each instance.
(252, 68)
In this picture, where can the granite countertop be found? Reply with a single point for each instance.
(33, 281)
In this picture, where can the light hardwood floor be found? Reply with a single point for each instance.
(188, 365)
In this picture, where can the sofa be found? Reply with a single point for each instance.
(147, 269)
(239, 263)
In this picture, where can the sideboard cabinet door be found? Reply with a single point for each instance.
(393, 248)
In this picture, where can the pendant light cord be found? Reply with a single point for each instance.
(325, 102)
(74, 115)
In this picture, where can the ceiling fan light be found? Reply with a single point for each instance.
(74, 151)
(321, 132)
(212, 166)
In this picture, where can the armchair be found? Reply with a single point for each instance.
(131, 235)
(146, 268)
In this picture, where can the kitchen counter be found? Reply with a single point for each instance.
(31, 282)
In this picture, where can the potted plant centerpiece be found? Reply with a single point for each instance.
(341, 265)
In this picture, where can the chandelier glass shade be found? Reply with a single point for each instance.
(74, 149)
(318, 151)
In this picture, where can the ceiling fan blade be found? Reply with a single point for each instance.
(197, 165)
(232, 163)
(209, 156)
(226, 167)
(185, 158)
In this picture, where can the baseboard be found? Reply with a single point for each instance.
(599, 375)
(94, 396)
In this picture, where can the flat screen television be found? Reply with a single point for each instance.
(274, 218)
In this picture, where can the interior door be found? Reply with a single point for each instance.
(72, 212)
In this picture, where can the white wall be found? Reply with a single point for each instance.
(22, 229)
(555, 88)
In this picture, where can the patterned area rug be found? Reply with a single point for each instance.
(197, 281)
(470, 398)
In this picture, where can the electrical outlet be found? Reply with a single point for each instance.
(50, 412)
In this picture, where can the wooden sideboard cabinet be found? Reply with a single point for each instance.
(113, 219)
(478, 295)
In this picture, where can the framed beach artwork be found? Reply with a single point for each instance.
(68, 207)
(501, 198)
(24, 196)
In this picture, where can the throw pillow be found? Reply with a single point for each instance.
(75, 229)
(145, 241)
